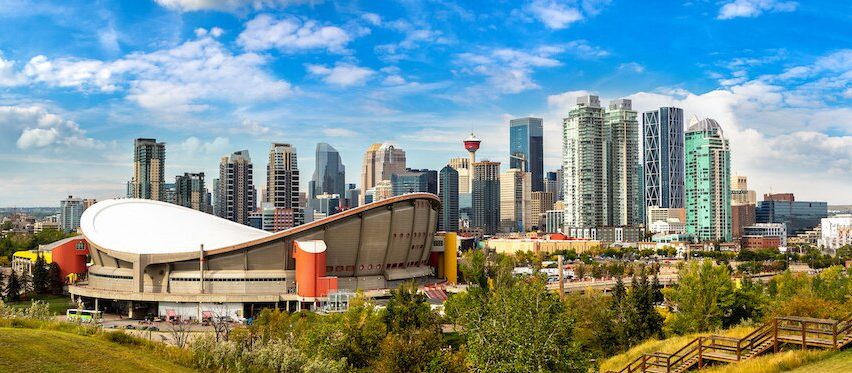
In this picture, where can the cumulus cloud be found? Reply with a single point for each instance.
(291, 34)
(754, 8)
(557, 15)
(226, 5)
(179, 79)
(510, 70)
(9, 76)
(34, 127)
(194, 145)
(253, 127)
(342, 74)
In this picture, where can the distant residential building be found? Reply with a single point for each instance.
(662, 214)
(550, 184)
(275, 219)
(45, 225)
(215, 196)
(554, 220)
(516, 201)
(282, 180)
(237, 194)
(414, 181)
(382, 190)
(462, 166)
(191, 191)
(608, 234)
(799, 216)
(70, 210)
(600, 159)
(380, 162)
(764, 235)
(329, 172)
(448, 192)
(668, 227)
(486, 196)
(88, 202)
(836, 232)
(708, 181)
(170, 193)
(740, 194)
(526, 149)
(149, 164)
(541, 202)
(663, 171)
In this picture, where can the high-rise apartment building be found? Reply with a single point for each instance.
(486, 196)
(515, 201)
(191, 192)
(550, 183)
(149, 165)
(740, 194)
(662, 134)
(708, 181)
(329, 173)
(70, 210)
(526, 148)
(462, 166)
(624, 192)
(237, 195)
(448, 192)
(600, 161)
(282, 180)
(380, 162)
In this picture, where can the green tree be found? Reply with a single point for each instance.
(703, 297)
(7, 225)
(54, 279)
(750, 302)
(522, 327)
(407, 309)
(13, 287)
(472, 267)
(40, 279)
(355, 334)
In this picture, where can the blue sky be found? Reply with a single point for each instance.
(80, 80)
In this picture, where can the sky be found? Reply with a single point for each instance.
(80, 80)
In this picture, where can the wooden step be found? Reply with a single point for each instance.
(720, 356)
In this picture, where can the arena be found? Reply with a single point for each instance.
(156, 258)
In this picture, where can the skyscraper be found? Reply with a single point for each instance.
(541, 202)
(237, 196)
(515, 201)
(70, 210)
(149, 164)
(380, 162)
(282, 180)
(623, 164)
(585, 141)
(448, 192)
(743, 203)
(662, 133)
(708, 181)
(329, 173)
(486, 196)
(414, 181)
(526, 148)
(462, 166)
(191, 191)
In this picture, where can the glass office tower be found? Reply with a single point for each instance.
(526, 149)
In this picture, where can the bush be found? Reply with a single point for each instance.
(122, 338)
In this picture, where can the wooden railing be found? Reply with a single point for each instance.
(822, 333)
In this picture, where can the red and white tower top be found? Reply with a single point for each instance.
(472, 143)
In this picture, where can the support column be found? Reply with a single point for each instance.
(129, 309)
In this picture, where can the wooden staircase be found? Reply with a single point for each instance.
(802, 331)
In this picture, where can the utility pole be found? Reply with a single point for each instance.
(561, 277)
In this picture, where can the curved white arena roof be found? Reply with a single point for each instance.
(142, 226)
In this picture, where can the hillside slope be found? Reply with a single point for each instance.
(33, 350)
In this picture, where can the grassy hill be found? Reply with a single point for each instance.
(35, 350)
(811, 361)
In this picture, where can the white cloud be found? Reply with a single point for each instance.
(372, 18)
(253, 127)
(554, 14)
(179, 79)
(226, 5)
(754, 8)
(35, 127)
(342, 74)
(291, 34)
(339, 132)
(415, 37)
(633, 67)
(108, 38)
(393, 80)
(194, 145)
(9, 77)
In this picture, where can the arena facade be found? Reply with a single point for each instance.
(156, 258)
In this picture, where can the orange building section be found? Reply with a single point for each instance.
(311, 281)
(70, 254)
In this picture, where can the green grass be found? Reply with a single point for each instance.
(666, 345)
(37, 350)
(58, 304)
(837, 362)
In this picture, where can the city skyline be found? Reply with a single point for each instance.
(419, 76)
